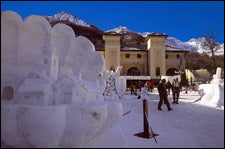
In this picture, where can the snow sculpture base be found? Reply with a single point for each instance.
(212, 94)
(56, 126)
(52, 86)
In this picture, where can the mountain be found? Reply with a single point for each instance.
(129, 40)
(201, 45)
(80, 27)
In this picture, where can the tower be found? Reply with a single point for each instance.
(156, 55)
(112, 51)
(49, 60)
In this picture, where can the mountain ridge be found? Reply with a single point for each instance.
(129, 39)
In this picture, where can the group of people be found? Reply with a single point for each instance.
(164, 90)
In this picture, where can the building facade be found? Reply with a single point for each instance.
(143, 64)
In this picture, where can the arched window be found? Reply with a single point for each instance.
(133, 71)
(171, 72)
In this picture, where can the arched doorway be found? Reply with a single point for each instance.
(133, 71)
(8, 93)
(171, 72)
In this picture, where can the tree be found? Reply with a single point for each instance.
(210, 37)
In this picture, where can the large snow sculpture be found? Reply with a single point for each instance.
(213, 93)
(52, 90)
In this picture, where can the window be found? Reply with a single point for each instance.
(127, 55)
(178, 56)
(166, 56)
(138, 55)
(157, 71)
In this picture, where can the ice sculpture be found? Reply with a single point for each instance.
(52, 85)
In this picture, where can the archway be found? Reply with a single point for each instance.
(133, 71)
(171, 72)
(8, 93)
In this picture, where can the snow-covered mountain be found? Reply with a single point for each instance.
(175, 43)
(201, 45)
(119, 30)
(80, 27)
(64, 16)
(132, 39)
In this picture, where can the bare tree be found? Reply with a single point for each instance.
(210, 37)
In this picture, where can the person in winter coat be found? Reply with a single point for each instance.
(150, 85)
(163, 95)
(168, 86)
(176, 90)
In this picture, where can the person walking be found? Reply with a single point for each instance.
(150, 85)
(176, 91)
(163, 95)
(168, 86)
(132, 89)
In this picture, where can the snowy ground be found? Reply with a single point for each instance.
(190, 124)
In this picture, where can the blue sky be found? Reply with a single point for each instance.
(183, 20)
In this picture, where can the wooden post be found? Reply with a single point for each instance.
(145, 118)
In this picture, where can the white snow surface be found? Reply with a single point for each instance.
(191, 124)
(58, 99)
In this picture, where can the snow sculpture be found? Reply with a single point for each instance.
(217, 77)
(113, 88)
(213, 93)
(52, 90)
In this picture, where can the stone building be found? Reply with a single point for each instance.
(140, 65)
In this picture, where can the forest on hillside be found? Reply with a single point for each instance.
(195, 60)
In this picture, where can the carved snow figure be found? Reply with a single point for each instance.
(213, 93)
(113, 84)
(52, 90)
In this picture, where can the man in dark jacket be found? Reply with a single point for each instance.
(163, 95)
(176, 90)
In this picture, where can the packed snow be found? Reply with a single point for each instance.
(58, 85)
(192, 123)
